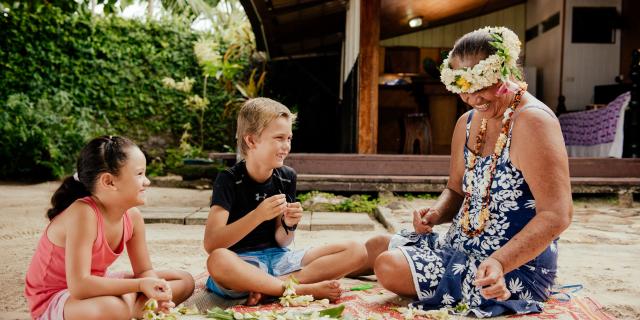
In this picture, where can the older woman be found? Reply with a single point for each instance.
(508, 195)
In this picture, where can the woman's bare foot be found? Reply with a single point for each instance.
(329, 289)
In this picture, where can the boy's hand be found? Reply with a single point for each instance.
(271, 207)
(293, 213)
(425, 219)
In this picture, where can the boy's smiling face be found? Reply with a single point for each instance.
(273, 145)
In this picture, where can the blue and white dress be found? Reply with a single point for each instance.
(444, 268)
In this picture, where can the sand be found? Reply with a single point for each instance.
(601, 249)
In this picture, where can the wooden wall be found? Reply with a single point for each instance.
(544, 52)
(587, 64)
(445, 36)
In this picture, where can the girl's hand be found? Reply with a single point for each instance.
(165, 306)
(490, 278)
(271, 207)
(293, 213)
(154, 288)
(425, 219)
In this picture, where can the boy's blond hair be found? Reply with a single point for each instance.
(255, 115)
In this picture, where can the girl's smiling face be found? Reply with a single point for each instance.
(131, 180)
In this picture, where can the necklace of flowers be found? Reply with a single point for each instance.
(487, 177)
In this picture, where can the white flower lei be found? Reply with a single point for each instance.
(498, 66)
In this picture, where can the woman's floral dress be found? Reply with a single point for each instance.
(444, 268)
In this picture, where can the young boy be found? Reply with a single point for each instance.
(254, 216)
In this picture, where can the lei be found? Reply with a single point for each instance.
(487, 177)
(498, 66)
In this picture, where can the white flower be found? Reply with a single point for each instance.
(531, 204)
(206, 51)
(458, 268)
(447, 299)
(515, 285)
(487, 71)
(525, 295)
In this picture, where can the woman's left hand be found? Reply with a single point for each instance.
(490, 280)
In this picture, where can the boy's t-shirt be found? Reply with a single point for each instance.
(235, 191)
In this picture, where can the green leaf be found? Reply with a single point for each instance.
(333, 312)
(361, 287)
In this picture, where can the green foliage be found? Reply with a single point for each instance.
(111, 70)
(424, 196)
(358, 203)
(37, 138)
(303, 197)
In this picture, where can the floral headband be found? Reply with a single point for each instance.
(498, 66)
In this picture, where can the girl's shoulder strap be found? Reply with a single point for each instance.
(88, 200)
(128, 226)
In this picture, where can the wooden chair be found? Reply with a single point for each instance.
(417, 134)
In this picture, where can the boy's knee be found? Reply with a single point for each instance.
(218, 261)
(378, 243)
(357, 251)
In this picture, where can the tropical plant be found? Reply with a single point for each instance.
(228, 60)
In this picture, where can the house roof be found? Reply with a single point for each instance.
(286, 28)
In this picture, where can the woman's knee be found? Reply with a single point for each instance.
(389, 268)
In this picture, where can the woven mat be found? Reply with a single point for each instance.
(361, 304)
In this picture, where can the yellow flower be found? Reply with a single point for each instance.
(463, 84)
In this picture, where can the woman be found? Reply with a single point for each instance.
(508, 195)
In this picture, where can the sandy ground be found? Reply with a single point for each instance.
(601, 249)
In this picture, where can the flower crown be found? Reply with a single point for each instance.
(498, 66)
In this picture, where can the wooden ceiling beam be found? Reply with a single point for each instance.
(304, 5)
(312, 28)
(312, 44)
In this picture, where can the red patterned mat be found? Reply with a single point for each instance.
(362, 304)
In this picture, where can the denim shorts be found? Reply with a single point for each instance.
(275, 261)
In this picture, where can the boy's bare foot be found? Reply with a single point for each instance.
(329, 289)
(253, 299)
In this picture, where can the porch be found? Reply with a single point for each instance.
(429, 173)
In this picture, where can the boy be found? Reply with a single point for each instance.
(254, 216)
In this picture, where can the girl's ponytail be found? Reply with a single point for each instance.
(67, 193)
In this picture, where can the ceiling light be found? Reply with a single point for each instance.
(415, 22)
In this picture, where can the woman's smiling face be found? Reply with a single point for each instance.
(487, 101)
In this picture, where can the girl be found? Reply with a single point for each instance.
(93, 217)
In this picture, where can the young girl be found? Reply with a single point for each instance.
(93, 217)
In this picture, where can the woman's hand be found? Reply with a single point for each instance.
(159, 289)
(293, 213)
(425, 219)
(490, 280)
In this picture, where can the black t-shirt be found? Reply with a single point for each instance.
(236, 192)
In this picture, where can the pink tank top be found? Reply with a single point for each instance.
(46, 273)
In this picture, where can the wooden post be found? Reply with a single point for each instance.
(368, 72)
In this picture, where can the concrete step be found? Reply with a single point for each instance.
(311, 221)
